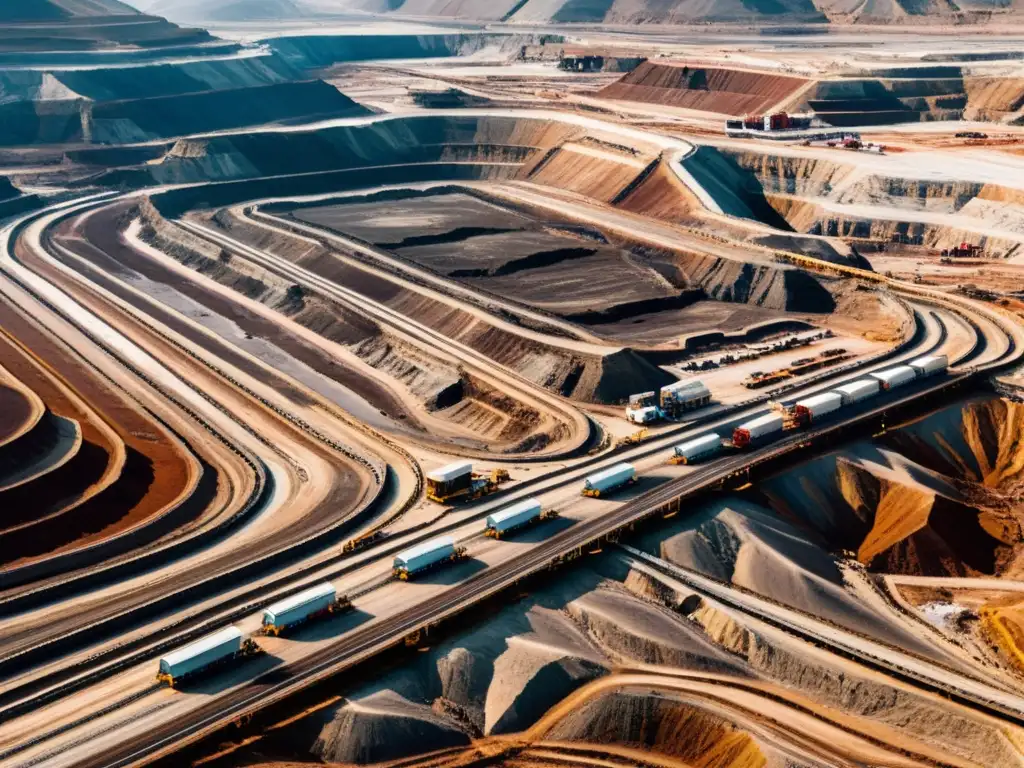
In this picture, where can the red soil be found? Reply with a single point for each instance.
(728, 91)
(156, 471)
(662, 196)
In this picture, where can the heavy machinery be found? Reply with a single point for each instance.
(362, 542)
(609, 480)
(312, 603)
(511, 519)
(635, 439)
(426, 557)
(204, 655)
(458, 482)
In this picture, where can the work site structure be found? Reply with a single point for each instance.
(683, 396)
(458, 482)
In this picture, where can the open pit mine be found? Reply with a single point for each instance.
(526, 384)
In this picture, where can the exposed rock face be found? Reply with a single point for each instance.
(728, 91)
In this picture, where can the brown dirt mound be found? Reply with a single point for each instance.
(727, 91)
(662, 723)
(991, 98)
(663, 196)
(155, 475)
(587, 170)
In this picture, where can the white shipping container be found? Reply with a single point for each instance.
(424, 555)
(763, 425)
(202, 653)
(516, 515)
(300, 607)
(699, 448)
(929, 365)
(819, 405)
(610, 478)
(450, 472)
(856, 391)
(895, 377)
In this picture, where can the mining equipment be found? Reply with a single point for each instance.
(312, 603)
(362, 542)
(682, 396)
(609, 480)
(426, 557)
(703, 447)
(756, 430)
(635, 439)
(204, 655)
(813, 408)
(646, 415)
(516, 517)
(458, 482)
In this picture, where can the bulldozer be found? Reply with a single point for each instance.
(635, 439)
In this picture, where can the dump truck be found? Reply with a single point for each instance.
(205, 654)
(458, 482)
(647, 415)
(517, 516)
(427, 556)
(858, 390)
(929, 365)
(609, 480)
(702, 447)
(309, 604)
(891, 378)
(758, 429)
(643, 400)
(813, 408)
